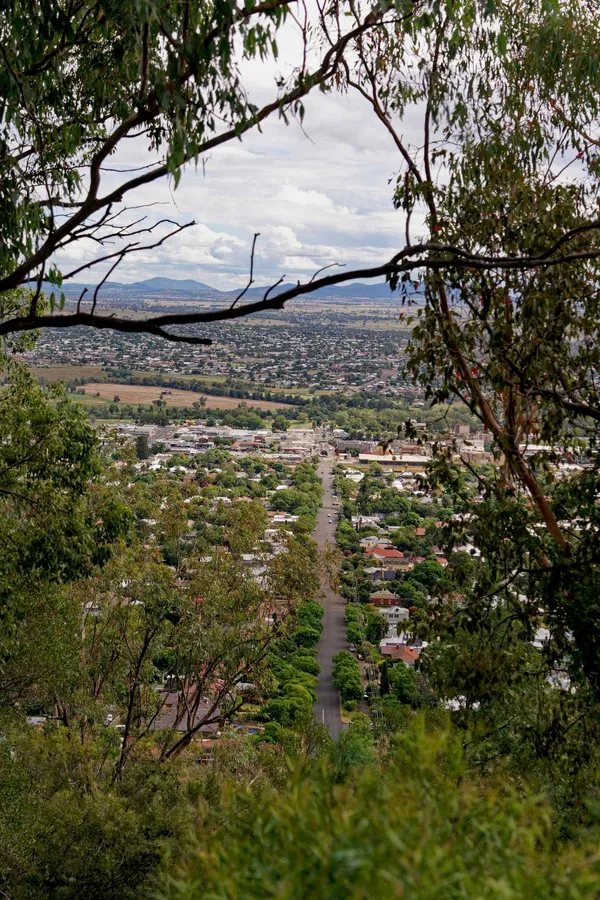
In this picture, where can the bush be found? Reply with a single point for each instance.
(421, 825)
(350, 706)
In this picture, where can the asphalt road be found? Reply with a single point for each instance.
(333, 638)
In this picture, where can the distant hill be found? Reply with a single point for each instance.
(158, 287)
(139, 288)
(356, 291)
(172, 284)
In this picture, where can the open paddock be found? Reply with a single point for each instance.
(139, 393)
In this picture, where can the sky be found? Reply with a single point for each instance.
(318, 194)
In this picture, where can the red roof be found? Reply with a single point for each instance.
(384, 552)
(407, 655)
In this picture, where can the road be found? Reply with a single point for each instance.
(333, 638)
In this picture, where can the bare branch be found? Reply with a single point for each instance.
(81, 296)
(273, 286)
(106, 277)
(323, 268)
(132, 248)
(251, 279)
(34, 300)
(405, 261)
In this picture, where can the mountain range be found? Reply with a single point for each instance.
(162, 287)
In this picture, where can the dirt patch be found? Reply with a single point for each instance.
(139, 393)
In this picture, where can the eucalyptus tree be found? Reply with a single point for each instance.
(499, 181)
(50, 524)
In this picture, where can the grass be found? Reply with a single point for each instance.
(67, 372)
(137, 393)
(87, 400)
(97, 375)
(346, 716)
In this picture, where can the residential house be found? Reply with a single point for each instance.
(407, 655)
(394, 615)
(173, 709)
(374, 573)
(388, 556)
(374, 541)
(366, 521)
(383, 598)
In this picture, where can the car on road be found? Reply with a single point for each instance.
(352, 648)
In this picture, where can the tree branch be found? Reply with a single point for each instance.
(403, 262)
(251, 279)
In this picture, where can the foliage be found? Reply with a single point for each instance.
(420, 823)
(67, 831)
(402, 682)
(376, 625)
(426, 574)
(355, 624)
(346, 676)
(48, 457)
(142, 447)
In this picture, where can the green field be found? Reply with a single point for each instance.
(97, 374)
(67, 373)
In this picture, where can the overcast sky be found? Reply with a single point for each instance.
(317, 196)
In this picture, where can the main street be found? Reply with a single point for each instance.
(333, 638)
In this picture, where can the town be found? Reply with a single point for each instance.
(307, 419)
(370, 499)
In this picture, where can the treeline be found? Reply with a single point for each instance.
(293, 664)
(234, 389)
(242, 417)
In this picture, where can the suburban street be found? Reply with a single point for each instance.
(333, 639)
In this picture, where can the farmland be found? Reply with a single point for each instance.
(135, 393)
(50, 374)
